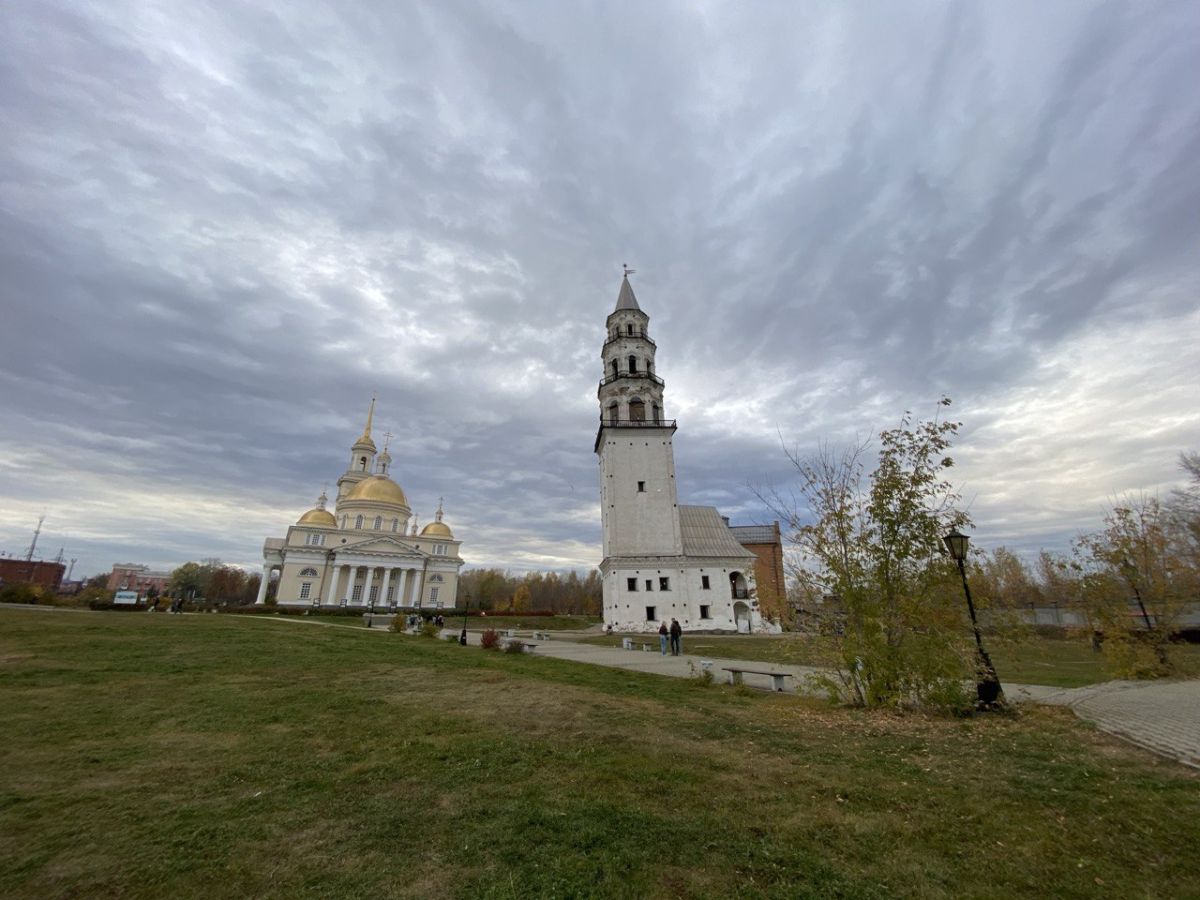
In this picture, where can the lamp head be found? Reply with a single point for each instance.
(957, 543)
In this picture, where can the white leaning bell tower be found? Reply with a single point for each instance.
(661, 561)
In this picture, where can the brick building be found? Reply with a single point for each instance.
(18, 571)
(766, 543)
(135, 577)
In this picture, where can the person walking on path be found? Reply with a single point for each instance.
(662, 638)
(676, 633)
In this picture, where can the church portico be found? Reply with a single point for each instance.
(363, 552)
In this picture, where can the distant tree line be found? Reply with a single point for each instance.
(214, 582)
(563, 594)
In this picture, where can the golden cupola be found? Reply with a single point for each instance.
(319, 515)
(377, 489)
(437, 528)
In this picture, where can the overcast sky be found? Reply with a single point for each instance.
(224, 226)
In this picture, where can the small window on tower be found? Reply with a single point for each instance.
(704, 612)
(651, 613)
(641, 487)
(664, 584)
(649, 584)
(704, 582)
(631, 584)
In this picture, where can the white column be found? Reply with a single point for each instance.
(331, 588)
(351, 572)
(262, 587)
(417, 585)
(401, 587)
(387, 577)
(366, 594)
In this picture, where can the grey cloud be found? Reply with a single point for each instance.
(222, 229)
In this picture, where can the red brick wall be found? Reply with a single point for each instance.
(17, 571)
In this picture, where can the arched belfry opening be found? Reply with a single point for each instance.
(616, 368)
(637, 410)
(656, 413)
(632, 364)
(614, 412)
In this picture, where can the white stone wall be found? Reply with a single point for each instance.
(642, 523)
(625, 610)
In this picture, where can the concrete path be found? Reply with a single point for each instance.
(1163, 716)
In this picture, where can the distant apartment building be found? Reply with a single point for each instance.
(135, 577)
(20, 571)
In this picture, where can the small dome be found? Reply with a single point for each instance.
(437, 529)
(380, 489)
(318, 516)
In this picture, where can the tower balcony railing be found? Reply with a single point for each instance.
(646, 376)
(637, 423)
(637, 333)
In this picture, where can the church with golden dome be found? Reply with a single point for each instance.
(365, 552)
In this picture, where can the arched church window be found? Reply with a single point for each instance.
(395, 524)
(358, 520)
(308, 573)
(378, 522)
(345, 519)
(632, 364)
(637, 410)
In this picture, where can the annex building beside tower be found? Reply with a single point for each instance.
(662, 561)
(364, 552)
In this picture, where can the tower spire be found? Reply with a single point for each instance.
(366, 435)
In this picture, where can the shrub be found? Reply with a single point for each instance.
(490, 639)
(514, 646)
(428, 629)
(702, 676)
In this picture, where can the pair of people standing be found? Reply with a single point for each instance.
(674, 633)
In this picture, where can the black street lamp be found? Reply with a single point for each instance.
(462, 638)
(987, 685)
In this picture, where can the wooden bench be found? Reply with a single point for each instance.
(777, 682)
(525, 647)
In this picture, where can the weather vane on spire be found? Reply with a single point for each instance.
(628, 271)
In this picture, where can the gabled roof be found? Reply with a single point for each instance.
(705, 533)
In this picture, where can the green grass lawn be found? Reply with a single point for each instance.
(1031, 660)
(223, 756)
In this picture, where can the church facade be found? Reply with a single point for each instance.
(662, 561)
(364, 552)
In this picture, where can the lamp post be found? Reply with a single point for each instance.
(987, 685)
(462, 638)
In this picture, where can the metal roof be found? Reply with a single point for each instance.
(705, 533)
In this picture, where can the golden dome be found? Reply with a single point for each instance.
(437, 529)
(378, 488)
(318, 516)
